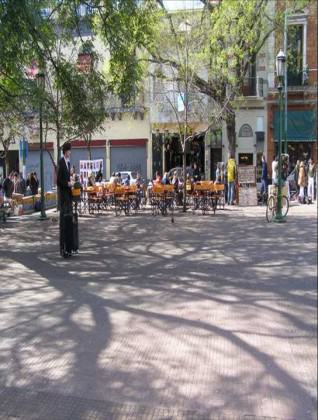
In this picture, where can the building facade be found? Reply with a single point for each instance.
(123, 142)
(300, 121)
(147, 137)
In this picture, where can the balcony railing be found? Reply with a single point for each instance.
(253, 86)
(297, 78)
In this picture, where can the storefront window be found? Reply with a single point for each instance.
(245, 158)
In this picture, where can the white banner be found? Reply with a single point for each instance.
(88, 167)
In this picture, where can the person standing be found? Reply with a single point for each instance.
(16, 183)
(311, 180)
(91, 179)
(127, 181)
(64, 186)
(231, 176)
(33, 183)
(275, 171)
(264, 177)
(19, 184)
(8, 186)
(165, 179)
(296, 173)
(222, 173)
(302, 182)
(73, 173)
(218, 173)
(157, 179)
(196, 173)
(113, 179)
(99, 175)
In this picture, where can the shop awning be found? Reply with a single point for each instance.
(301, 126)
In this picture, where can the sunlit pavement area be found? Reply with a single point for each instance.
(209, 317)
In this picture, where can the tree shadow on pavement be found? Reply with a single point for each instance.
(209, 313)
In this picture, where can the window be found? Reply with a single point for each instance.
(246, 131)
(260, 123)
(295, 55)
(249, 86)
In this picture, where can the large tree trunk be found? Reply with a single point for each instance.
(89, 150)
(88, 140)
(58, 142)
(231, 134)
(184, 175)
(6, 165)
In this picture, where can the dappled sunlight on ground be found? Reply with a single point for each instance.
(215, 313)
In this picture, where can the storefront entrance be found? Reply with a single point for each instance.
(174, 154)
(216, 156)
(300, 151)
(11, 163)
(129, 155)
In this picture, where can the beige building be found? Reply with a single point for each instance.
(123, 142)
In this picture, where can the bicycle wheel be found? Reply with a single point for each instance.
(204, 205)
(285, 205)
(163, 208)
(270, 209)
(195, 203)
(214, 204)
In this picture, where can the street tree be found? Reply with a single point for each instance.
(174, 84)
(235, 31)
(16, 97)
(136, 34)
(45, 34)
(74, 97)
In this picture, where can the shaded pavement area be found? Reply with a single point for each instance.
(210, 317)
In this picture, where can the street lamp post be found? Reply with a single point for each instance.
(280, 72)
(41, 85)
(285, 81)
(163, 153)
(165, 149)
(185, 27)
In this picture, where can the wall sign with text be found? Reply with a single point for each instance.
(246, 174)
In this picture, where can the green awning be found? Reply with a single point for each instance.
(301, 125)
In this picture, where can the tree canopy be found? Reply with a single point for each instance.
(228, 36)
(137, 34)
(43, 33)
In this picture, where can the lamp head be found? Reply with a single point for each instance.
(280, 64)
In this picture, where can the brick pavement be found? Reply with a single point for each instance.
(212, 317)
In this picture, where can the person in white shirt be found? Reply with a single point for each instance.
(311, 180)
(275, 171)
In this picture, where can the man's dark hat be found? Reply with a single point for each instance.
(66, 146)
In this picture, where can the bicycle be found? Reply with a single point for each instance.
(271, 208)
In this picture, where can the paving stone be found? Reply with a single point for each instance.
(208, 318)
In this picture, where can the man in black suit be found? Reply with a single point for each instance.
(64, 186)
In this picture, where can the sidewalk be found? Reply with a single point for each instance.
(210, 317)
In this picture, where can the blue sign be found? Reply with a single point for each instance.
(23, 149)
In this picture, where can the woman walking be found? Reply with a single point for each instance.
(302, 182)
